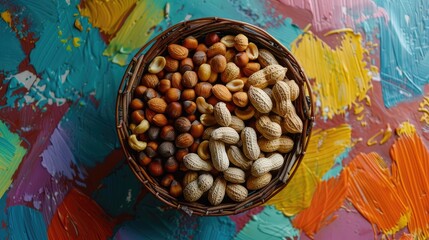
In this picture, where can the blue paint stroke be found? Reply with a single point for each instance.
(404, 53)
(3, 217)
(338, 166)
(268, 224)
(11, 54)
(118, 192)
(25, 223)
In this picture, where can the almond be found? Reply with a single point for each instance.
(157, 105)
(222, 93)
(177, 52)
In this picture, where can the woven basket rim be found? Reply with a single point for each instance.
(157, 46)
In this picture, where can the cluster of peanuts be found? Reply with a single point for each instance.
(213, 116)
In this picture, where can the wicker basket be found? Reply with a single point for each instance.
(199, 28)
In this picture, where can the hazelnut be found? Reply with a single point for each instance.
(155, 168)
(213, 77)
(240, 99)
(241, 59)
(139, 91)
(190, 107)
(189, 79)
(172, 95)
(204, 72)
(136, 104)
(180, 153)
(186, 65)
(166, 149)
(199, 58)
(164, 85)
(251, 68)
(182, 124)
(159, 120)
(144, 160)
(192, 117)
(215, 49)
(203, 89)
(168, 133)
(142, 137)
(194, 147)
(166, 180)
(218, 63)
(171, 64)
(190, 42)
(168, 76)
(174, 110)
(188, 95)
(153, 132)
(231, 107)
(211, 39)
(160, 75)
(149, 94)
(137, 116)
(150, 80)
(176, 80)
(197, 129)
(212, 100)
(184, 140)
(171, 165)
(201, 47)
(175, 189)
(151, 149)
(149, 114)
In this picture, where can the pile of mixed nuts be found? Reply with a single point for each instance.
(213, 115)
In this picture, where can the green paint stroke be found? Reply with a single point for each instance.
(11, 154)
(267, 225)
(136, 31)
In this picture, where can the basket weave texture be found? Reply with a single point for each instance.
(199, 28)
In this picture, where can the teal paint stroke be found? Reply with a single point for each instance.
(155, 221)
(11, 54)
(119, 191)
(404, 50)
(267, 225)
(338, 166)
(3, 217)
(26, 223)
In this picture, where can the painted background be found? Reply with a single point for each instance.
(365, 175)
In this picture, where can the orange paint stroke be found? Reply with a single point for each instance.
(374, 195)
(327, 198)
(410, 165)
(79, 217)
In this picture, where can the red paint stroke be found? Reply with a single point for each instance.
(374, 195)
(79, 217)
(243, 218)
(328, 198)
(410, 173)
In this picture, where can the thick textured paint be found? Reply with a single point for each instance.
(324, 147)
(106, 15)
(79, 217)
(327, 198)
(11, 154)
(374, 195)
(3, 217)
(410, 159)
(341, 75)
(135, 31)
(269, 224)
(25, 223)
(57, 158)
(404, 50)
(12, 55)
(242, 219)
(405, 128)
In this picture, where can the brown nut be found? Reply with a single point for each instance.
(241, 42)
(240, 99)
(194, 147)
(231, 72)
(184, 140)
(228, 41)
(218, 63)
(180, 153)
(213, 77)
(215, 49)
(189, 79)
(171, 64)
(167, 133)
(148, 114)
(164, 85)
(191, 117)
(137, 116)
(137, 104)
(172, 95)
(211, 39)
(222, 93)
(230, 55)
(197, 129)
(150, 80)
(176, 189)
(252, 51)
(186, 65)
(201, 47)
(190, 107)
(177, 52)
(204, 72)
(188, 95)
(176, 80)
(171, 165)
(151, 149)
(157, 105)
(241, 59)
(166, 180)
(182, 124)
(190, 43)
(166, 149)
(203, 89)
(155, 168)
(153, 132)
(199, 58)
(144, 160)
(251, 68)
(149, 94)
(174, 110)
(139, 91)
(159, 120)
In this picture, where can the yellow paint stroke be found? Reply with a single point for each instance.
(336, 31)
(360, 118)
(424, 109)
(341, 75)
(7, 17)
(410, 164)
(107, 15)
(135, 31)
(327, 198)
(78, 24)
(324, 147)
(405, 128)
(76, 42)
(373, 194)
(387, 134)
(358, 108)
(371, 141)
